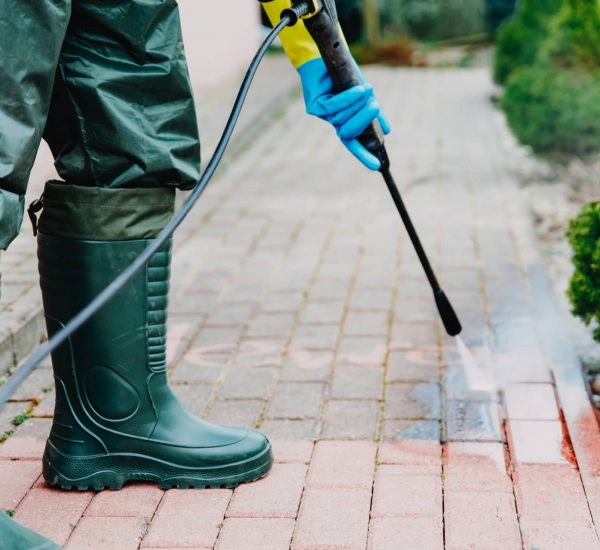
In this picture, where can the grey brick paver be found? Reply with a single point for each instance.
(316, 336)
(473, 421)
(247, 383)
(357, 382)
(193, 396)
(401, 430)
(236, 412)
(351, 419)
(413, 401)
(365, 323)
(8, 412)
(296, 400)
(403, 366)
(35, 385)
(297, 429)
(302, 365)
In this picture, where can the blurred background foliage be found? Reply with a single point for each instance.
(519, 40)
(396, 32)
(548, 58)
(430, 20)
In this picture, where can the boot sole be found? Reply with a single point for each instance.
(112, 471)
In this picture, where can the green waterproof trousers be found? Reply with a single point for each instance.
(105, 83)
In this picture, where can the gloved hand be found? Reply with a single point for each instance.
(350, 111)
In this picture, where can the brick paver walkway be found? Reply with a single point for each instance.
(298, 306)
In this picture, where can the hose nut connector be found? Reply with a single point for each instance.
(301, 9)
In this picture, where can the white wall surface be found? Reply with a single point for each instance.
(220, 38)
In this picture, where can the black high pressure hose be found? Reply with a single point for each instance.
(288, 18)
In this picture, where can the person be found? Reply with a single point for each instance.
(106, 85)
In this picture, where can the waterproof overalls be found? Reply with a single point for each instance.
(106, 85)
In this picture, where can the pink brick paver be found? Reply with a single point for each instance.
(477, 519)
(188, 518)
(298, 307)
(347, 464)
(332, 518)
(16, 478)
(275, 496)
(558, 535)
(397, 493)
(139, 500)
(423, 456)
(292, 451)
(550, 492)
(256, 534)
(476, 467)
(107, 533)
(52, 513)
(405, 533)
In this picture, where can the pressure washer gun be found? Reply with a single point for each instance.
(323, 25)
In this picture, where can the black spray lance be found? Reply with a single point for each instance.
(322, 24)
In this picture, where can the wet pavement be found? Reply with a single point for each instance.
(298, 306)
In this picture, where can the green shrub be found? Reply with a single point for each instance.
(554, 112)
(553, 105)
(584, 290)
(520, 38)
(574, 36)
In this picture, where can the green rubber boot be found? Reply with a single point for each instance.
(116, 418)
(13, 536)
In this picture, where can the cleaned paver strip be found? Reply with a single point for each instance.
(298, 305)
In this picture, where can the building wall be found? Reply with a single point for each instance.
(220, 38)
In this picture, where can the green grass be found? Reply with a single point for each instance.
(5, 435)
(20, 418)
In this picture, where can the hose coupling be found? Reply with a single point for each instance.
(301, 9)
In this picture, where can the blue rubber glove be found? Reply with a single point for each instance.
(350, 111)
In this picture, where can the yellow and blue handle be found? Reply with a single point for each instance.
(334, 88)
